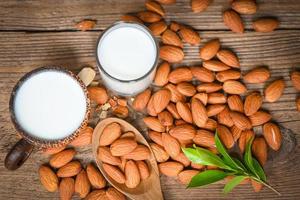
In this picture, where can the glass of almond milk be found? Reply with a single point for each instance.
(127, 56)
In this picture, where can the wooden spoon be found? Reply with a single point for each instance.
(148, 189)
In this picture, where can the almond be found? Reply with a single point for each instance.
(234, 87)
(229, 58)
(274, 91)
(174, 26)
(186, 89)
(98, 94)
(235, 103)
(85, 25)
(225, 136)
(216, 98)
(171, 54)
(170, 37)
(105, 155)
(60, 159)
(141, 152)
(143, 169)
(132, 174)
(184, 111)
(210, 125)
(84, 138)
(240, 120)
(121, 111)
(259, 118)
(114, 173)
(204, 138)
(166, 1)
(87, 75)
(155, 7)
(252, 103)
(161, 99)
(114, 194)
(198, 112)
(180, 74)
(228, 75)
(171, 145)
(95, 177)
(170, 168)
(244, 139)
(197, 166)
(157, 28)
(183, 132)
(154, 124)
(265, 25)
(70, 169)
(295, 77)
(165, 118)
(110, 133)
(215, 65)
(131, 18)
(162, 73)
(199, 5)
(182, 159)
(175, 95)
(82, 184)
(247, 7)
(150, 107)
(148, 16)
(298, 104)
(173, 110)
(186, 176)
(66, 188)
(259, 150)
(210, 49)
(202, 74)
(233, 21)
(48, 178)
(256, 185)
(96, 194)
(155, 137)
(184, 143)
(128, 134)
(214, 109)
(236, 132)
(224, 117)
(122, 146)
(203, 97)
(160, 154)
(257, 75)
(53, 150)
(189, 36)
(209, 87)
(141, 100)
(272, 135)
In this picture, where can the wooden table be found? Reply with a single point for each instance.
(37, 33)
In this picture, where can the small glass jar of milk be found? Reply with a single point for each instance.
(127, 56)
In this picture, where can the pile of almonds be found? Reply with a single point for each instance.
(124, 160)
(69, 177)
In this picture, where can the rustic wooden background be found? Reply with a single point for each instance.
(36, 33)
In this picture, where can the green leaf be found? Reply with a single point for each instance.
(240, 164)
(207, 177)
(248, 158)
(233, 183)
(204, 157)
(259, 170)
(226, 157)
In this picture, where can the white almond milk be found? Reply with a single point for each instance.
(127, 54)
(50, 105)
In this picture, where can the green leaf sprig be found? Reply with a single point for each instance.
(249, 167)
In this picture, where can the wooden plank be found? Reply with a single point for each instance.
(62, 15)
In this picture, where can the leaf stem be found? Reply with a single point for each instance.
(267, 185)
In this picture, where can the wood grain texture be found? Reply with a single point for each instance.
(38, 33)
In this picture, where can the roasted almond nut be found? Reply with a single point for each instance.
(209, 87)
(132, 174)
(272, 135)
(203, 74)
(171, 169)
(203, 97)
(165, 118)
(244, 139)
(216, 98)
(235, 103)
(148, 16)
(123, 146)
(53, 150)
(257, 75)
(204, 138)
(295, 78)
(114, 194)
(182, 159)
(233, 21)
(184, 111)
(85, 25)
(189, 35)
(175, 94)
(131, 18)
(198, 112)
(252, 103)
(197, 166)
(143, 169)
(121, 111)
(265, 25)
(128, 134)
(150, 107)
(82, 184)
(228, 75)
(298, 104)
(141, 100)
(259, 118)
(95, 177)
(247, 7)
(141, 152)
(105, 155)
(225, 136)
(240, 120)
(48, 178)
(110, 133)
(199, 5)
(180, 74)
(215, 65)
(234, 87)
(170, 37)
(66, 188)
(259, 150)
(183, 132)
(274, 91)
(210, 49)
(173, 110)
(172, 54)
(62, 158)
(186, 89)
(70, 169)
(171, 145)
(224, 117)
(84, 138)
(186, 176)
(98, 94)
(229, 58)
(256, 185)
(157, 28)
(236, 132)
(160, 154)
(174, 26)
(155, 7)
(167, 2)
(214, 109)
(155, 137)
(114, 173)
(161, 99)
(162, 74)
(210, 125)
(96, 194)
(154, 124)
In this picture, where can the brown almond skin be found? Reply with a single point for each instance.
(114, 173)
(174, 26)
(95, 177)
(225, 118)
(155, 137)
(132, 174)
(131, 18)
(171, 145)
(114, 194)
(189, 35)
(298, 104)
(199, 5)
(186, 89)
(183, 132)
(240, 120)
(265, 25)
(148, 16)
(210, 49)
(143, 169)
(173, 110)
(233, 21)
(62, 158)
(252, 103)
(165, 118)
(123, 146)
(259, 150)
(171, 169)
(98, 94)
(295, 77)
(154, 124)
(161, 99)
(215, 65)
(70, 169)
(203, 97)
(157, 28)
(202, 74)
(186, 176)
(141, 152)
(216, 98)
(84, 138)
(170, 37)
(85, 25)
(234, 87)
(141, 100)
(182, 159)
(272, 135)
(160, 154)
(175, 94)
(66, 188)
(259, 118)
(184, 111)
(52, 150)
(110, 133)
(236, 132)
(199, 113)
(247, 7)
(96, 194)
(105, 155)
(155, 7)
(228, 75)
(274, 91)
(162, 73)
(171, 54)
(229, 58)
(235, 103)
(225, 136)
(244, 139)
(197, 166)
(150, 107)
(167, 2)
(256, 185)
(257, 75)
(48, 178)
(204, 138)
(209, 87)
(180, 74)
(214, 109)
(82, 184)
